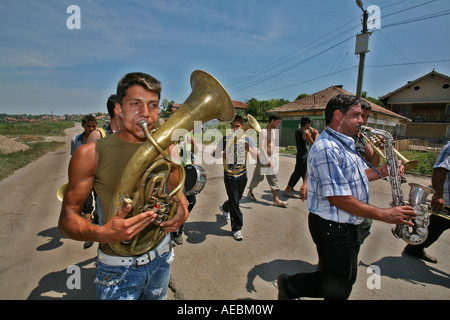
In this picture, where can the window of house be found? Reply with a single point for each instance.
(404, 110)
(416, 88)
(445, 86)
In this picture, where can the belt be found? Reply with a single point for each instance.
(116, 261)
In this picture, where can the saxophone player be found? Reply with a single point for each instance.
(338, 201)
(98, 166)
(365, 150)
(440, 181)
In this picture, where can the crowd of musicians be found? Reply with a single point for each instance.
(335, 168)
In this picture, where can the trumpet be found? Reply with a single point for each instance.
(375, 142)
(252, 123)
(441, 213)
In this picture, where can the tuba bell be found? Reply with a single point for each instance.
(143, 180)
(252, 123)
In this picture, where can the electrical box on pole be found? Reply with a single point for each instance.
(362, 43)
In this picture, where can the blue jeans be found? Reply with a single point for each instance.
(147, 282)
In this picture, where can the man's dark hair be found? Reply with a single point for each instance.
(305, 120)
(365, 105)
(239, 119)
(137, 78)
(111, 104)
(342, 102)
(88, 118)
(274, 116)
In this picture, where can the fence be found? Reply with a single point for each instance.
(416, 145)
(412, 144)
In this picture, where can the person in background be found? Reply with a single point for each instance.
(89, 124)
(235, 178)
(440, 181)
(367, 152)
(267, 164)
(114, 125)
(304, 138)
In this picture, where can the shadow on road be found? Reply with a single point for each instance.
(412, 270)
(53, 286)
(54, 241)
(269, 271)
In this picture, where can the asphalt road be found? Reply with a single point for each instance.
(37, 262)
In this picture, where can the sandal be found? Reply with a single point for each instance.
(251, 196)
(281, 204)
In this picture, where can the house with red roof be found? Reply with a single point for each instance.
(314, 105)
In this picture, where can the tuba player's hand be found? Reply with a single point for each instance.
(119, 228)
(178, 218)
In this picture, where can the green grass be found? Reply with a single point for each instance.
(11, 162)
(47, 128)
(30, 134)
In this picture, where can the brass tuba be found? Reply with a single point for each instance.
(143, 180)
(367, 133)
(252, 123)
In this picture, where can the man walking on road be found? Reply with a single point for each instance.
(338, 201)
(99, 166)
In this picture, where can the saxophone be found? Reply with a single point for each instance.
(418, 233)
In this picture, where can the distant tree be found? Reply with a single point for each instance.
(301, 95)
(259, 108)
(166, 108)
(376, 101)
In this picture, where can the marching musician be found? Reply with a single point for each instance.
(338, 201)
(304, 138)
(99, 166)
(440, 181)
(365, 150)
(186, 149)
(236, 179)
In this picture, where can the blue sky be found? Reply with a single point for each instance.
(259, 49)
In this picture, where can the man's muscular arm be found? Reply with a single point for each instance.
(82, 169)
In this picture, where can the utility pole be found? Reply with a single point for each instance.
(362, 45)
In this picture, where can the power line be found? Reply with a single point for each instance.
(291, 60)
(346, 69)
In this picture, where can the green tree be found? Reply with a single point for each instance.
(166, 108)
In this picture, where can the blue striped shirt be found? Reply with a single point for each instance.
(443, 161)
(335, 169)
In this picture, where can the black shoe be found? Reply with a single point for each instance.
(281, 281)
(410, 250)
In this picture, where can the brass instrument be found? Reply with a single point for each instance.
(143, 180)
(61, 191)
(418, 233)
(375, 142)
(252, 123)
(441, 213)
